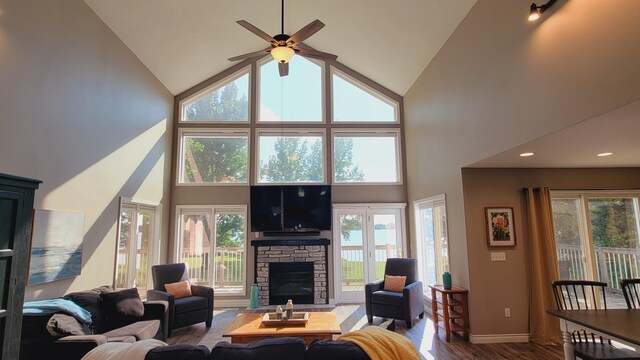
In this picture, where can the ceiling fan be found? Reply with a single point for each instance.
(283, 46)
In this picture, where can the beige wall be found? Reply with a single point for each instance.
(501, 81)
(80, 112)
(497, 285)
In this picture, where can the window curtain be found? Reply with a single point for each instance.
(543, 329)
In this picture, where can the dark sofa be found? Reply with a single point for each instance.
(288, 348)
(38, 343)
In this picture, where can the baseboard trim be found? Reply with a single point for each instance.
(230, 303)
(499, 338)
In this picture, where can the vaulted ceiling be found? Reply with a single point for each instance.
(185, 42)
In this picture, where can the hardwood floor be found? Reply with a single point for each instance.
(352, 317)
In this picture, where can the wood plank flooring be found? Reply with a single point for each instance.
(352, 317)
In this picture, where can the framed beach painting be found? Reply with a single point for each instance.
(56, 246)
(500, 227)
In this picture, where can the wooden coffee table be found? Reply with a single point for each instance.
(248, 327)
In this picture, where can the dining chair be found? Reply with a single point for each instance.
(588, 295)
(631, 289)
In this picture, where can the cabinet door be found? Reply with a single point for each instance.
(12, 227)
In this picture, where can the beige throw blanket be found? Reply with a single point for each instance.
(123, 351)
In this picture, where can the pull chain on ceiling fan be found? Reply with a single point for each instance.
(284, 47)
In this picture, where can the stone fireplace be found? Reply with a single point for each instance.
(296, 268)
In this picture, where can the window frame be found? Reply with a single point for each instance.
(182, 132)
(213, 210)
(360, 132)
(418, 206)
(155, 241)
(247, 70)
(366, 88)
(323, 94)
(584, 221)
(290, 132)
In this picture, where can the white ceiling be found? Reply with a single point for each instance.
(185, 42)
(617, 131)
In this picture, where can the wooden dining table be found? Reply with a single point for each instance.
(621, 325)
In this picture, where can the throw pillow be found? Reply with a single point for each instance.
(394, 283)
(179, 289)
(122, 307)
(60, 325)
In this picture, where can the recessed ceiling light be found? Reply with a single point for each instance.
(527, 154)
(604, 154)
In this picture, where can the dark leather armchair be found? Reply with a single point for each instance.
(185, 311)
(405, 305)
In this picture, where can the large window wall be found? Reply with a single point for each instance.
(322, 124)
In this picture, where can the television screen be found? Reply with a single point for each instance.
(266, 208)
(290, 208)
(307, 207)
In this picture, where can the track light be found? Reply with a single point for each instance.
(535, 11)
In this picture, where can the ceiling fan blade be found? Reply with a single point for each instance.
(250, 55)
(254, 29)
(304, 33)
(316, 54)
(283, 68)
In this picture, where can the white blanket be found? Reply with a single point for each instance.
(123, 351)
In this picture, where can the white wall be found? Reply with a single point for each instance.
(81, 113)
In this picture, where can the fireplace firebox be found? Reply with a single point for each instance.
(291, 280)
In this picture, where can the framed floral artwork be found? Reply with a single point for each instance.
(500, 227)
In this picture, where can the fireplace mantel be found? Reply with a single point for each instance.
(289, 242)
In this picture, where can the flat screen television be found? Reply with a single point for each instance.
(294, 208)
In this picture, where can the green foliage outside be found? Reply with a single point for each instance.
(346, 170)
(294, 161)
(612, 222)
(217, 160)
(220, 105)
(353, 271)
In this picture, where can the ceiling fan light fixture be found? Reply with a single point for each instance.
(282, 54)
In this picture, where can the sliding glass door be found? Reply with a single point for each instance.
(597, 238)
(212, 242)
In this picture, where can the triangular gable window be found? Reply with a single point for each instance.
(356, 103)
(225, 101)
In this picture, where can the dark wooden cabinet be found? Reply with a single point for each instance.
(16, 216)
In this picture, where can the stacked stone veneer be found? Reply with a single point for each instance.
(292, 253)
